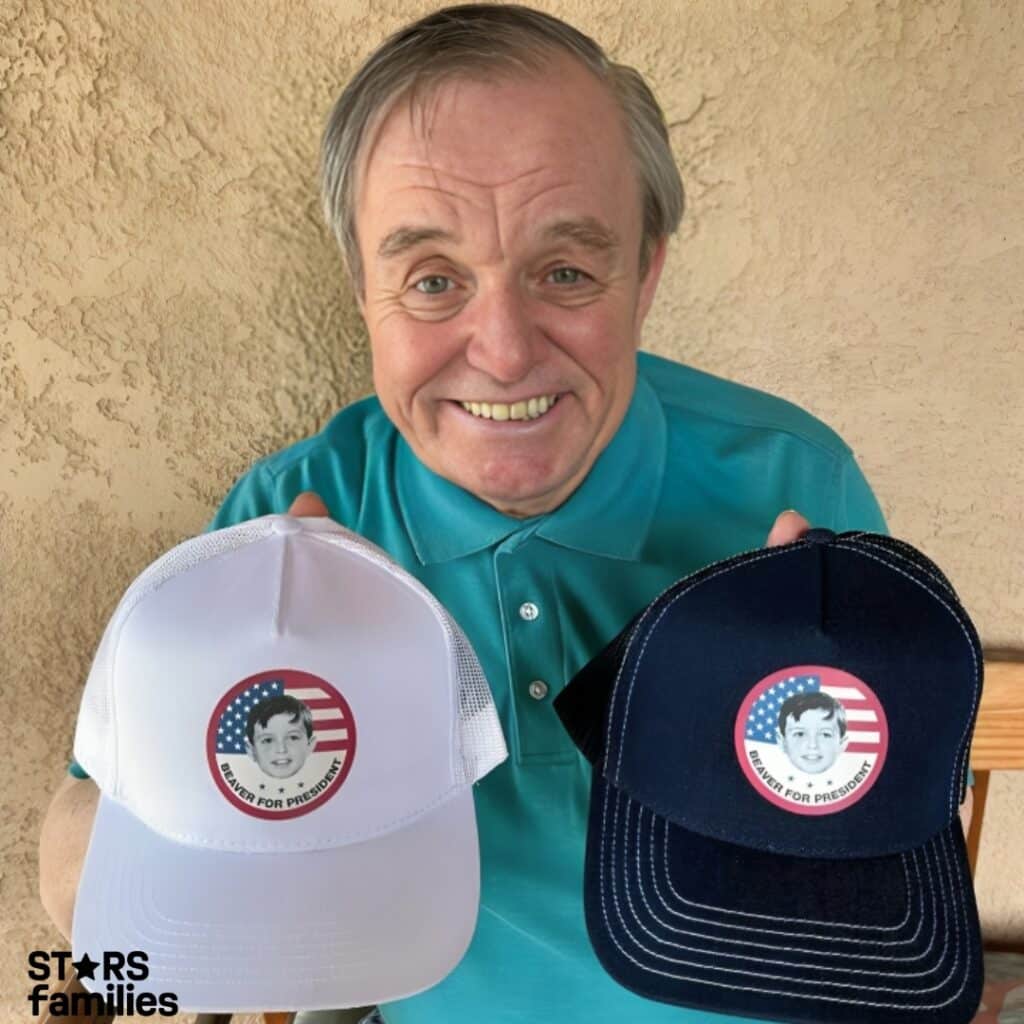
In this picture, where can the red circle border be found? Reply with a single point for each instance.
(836, 676)
(296, 678)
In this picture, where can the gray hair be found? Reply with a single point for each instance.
(487, 40)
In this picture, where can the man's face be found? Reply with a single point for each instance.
(507, 315)
(281, 746)
(812, 741)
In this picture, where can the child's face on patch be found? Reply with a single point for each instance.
(281, 746)
(812, 741)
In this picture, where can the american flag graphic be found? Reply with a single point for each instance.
(862, 709)
(331, 727)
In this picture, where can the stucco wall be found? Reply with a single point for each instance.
(171, 307)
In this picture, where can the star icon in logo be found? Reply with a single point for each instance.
(85, 967)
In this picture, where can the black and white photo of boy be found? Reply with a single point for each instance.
(279, 735)
(812, 731)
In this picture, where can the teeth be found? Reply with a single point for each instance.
(529, 409)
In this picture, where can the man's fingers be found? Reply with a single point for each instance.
(308, 504)
(789, 526)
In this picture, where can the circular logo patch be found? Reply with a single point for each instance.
(811, 739)
(280, 743)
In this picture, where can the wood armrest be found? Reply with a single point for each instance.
(999, 731)
(998, 734)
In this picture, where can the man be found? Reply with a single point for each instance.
(505, 226)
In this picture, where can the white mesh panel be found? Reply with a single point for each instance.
(481, 743)
(95, 736)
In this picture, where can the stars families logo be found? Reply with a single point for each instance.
(112, 990)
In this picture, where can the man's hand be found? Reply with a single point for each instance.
(308, 504)
(789, 526)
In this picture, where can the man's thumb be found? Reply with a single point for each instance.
(789, 526)
(308, 503)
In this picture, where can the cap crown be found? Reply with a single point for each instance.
(683, 682)
(401, 713)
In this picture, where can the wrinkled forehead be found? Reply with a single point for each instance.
(513, 140)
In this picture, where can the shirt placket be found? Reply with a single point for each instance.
(533, 649)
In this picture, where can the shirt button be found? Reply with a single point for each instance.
(538, 689)
(529, 611)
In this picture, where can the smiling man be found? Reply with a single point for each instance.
(503, 293)
(503, 196)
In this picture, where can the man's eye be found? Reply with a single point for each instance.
(430, 282)
(265, 740)
(295, 737)
(438, 284)
(578, 275)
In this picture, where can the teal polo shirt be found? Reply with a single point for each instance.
(698, 471)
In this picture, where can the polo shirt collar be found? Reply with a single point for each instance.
(609, 514)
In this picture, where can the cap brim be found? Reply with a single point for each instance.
(698, 922)
(350, 926)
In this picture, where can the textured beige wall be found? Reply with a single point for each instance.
(171, 307)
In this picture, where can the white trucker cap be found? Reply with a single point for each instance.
(285, 728)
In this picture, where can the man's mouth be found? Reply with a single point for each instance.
(281, 762)
(526, 409)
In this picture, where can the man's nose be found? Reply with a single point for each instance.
(282, 745)
(812, 741)
(504, 341)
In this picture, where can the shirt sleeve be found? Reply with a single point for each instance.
(253, 495)
(856, 507)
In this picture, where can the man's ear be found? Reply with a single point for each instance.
(250, 749)
(649, 285)
(312, 742)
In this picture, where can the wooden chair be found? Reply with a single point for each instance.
(998, 746)
(998, 737)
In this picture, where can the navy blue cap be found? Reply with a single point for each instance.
(780, 745)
